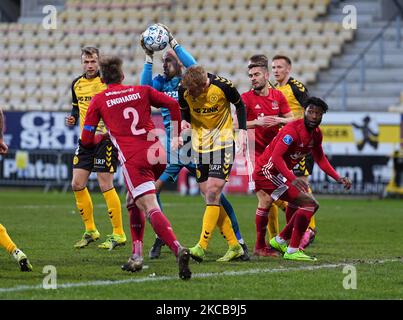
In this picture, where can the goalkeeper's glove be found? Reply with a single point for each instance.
(149, 53)
(172, 41)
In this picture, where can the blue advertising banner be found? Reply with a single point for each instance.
(39, 130)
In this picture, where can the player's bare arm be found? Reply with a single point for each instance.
(301, 184)
(279, 120)
(242, 141)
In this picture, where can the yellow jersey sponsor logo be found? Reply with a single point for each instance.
(206, 110)
(84, 98)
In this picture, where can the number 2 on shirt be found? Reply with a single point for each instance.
(126, 114)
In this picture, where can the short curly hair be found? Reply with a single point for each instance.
(316, 102)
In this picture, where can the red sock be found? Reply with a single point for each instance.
(301, 222)
(289, 211)
(287, 231)
(289, 218)
(261, 220)
(137, 225)
(163, 229)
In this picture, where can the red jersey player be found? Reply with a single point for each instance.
(266, 109)
(273, 175)
(126, 112)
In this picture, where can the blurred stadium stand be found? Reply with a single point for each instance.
(38, 65)
(368, 75)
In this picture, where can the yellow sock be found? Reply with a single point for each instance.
(114, 210)
(210, 219)
(281, 204)
(312, 224)
(225, 226)
(272, 225)
(5, 240)
(84, 204)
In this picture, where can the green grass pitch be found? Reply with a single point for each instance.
(364, 233)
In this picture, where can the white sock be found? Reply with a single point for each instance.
(280, 240)
(15, 253)
(292, 250)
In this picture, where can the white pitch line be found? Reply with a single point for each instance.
(198, 275)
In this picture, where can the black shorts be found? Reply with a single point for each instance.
(304, 167)
(216, 164)
(101, 158)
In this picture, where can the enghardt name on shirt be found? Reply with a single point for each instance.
(130, 97)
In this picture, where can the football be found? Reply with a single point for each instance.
(155, 38)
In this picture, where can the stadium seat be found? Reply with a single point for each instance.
(221, 34)
(275, 16)
(289, 3)
(32, 102)
(347, 34)
(320, 8)
(334, 44)
(5, 82)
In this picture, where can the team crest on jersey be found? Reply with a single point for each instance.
(274, 105)
(287, 139)
(213, 98)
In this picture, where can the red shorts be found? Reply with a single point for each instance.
(280, 189)
(141, 171)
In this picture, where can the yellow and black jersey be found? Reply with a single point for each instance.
(210, 114)
(83, 90)
(296, 94)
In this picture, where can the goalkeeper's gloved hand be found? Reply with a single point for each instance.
(172, 41)
(149, 53)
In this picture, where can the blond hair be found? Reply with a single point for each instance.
(194, 76)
